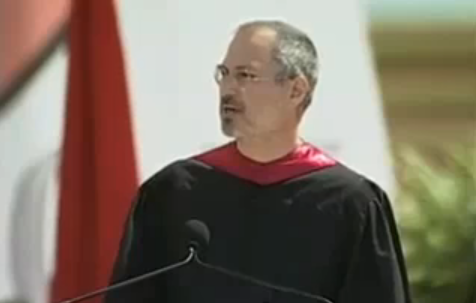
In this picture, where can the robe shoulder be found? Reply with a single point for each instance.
(182, 172)
(337, 183)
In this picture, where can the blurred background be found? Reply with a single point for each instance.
(425, 54)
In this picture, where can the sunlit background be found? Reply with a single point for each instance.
(425, 52)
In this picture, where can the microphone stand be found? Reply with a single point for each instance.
(191, 256)
(262, 283)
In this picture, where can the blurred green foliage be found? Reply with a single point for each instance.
(436, 211)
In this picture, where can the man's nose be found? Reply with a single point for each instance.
(228, 86)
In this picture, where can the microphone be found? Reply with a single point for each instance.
(199, 236)
(198, 233)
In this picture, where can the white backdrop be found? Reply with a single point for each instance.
(171, 48)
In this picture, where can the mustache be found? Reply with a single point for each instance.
(231, 101)
(227, 100)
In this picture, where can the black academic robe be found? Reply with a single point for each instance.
(305, 221)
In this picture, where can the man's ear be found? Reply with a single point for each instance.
(299, 89)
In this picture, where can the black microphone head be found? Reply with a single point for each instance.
(198, 233)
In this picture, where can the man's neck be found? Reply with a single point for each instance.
(268, 148)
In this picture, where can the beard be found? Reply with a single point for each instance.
(228, 127)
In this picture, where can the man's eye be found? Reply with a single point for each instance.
(245, 75)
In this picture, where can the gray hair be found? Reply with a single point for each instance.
(294, 52)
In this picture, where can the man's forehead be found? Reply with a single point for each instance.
(250, 48)
(256, 35)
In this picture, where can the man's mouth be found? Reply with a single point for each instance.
(229, 106)
(230, 109)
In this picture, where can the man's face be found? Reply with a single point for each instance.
(252, 102)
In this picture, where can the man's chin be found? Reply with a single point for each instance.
(229, 131)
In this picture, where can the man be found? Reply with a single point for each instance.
(278, 208)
